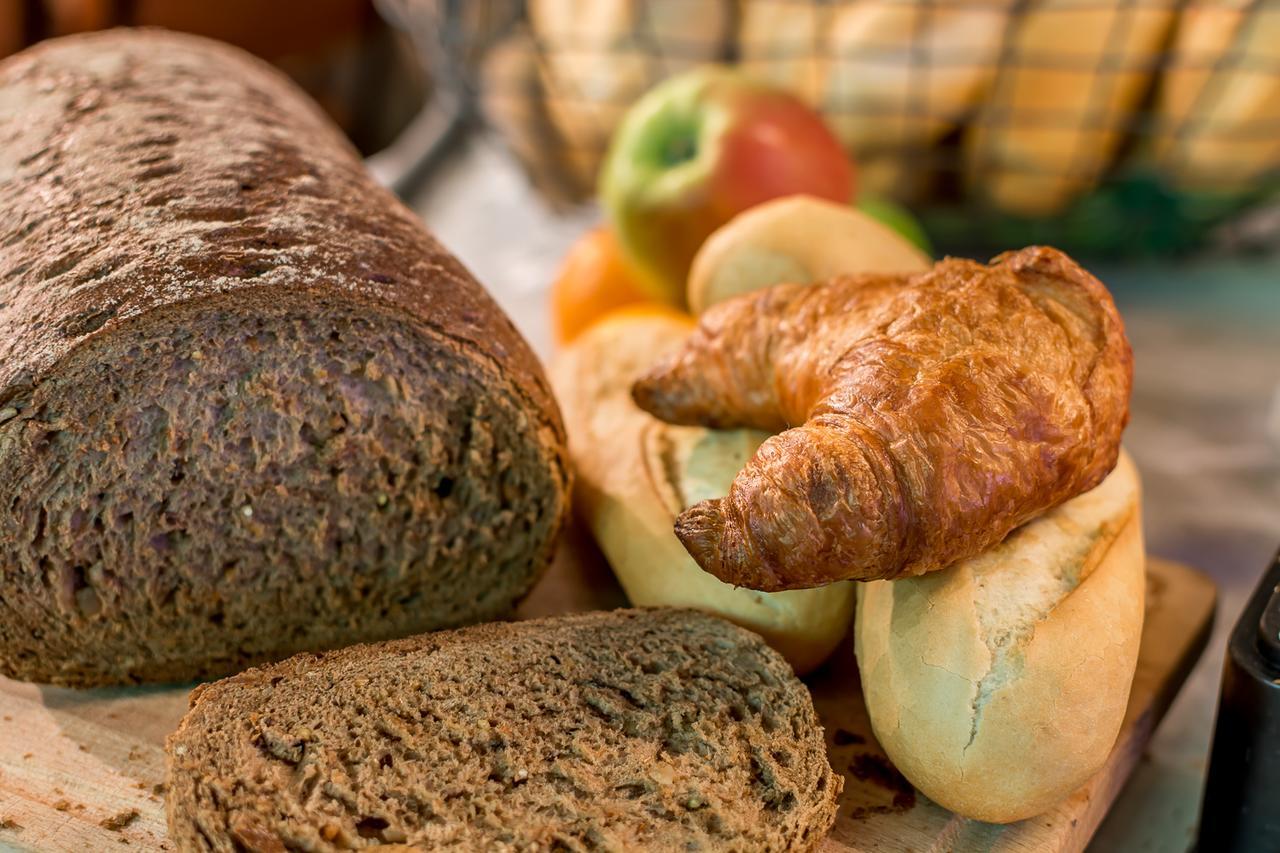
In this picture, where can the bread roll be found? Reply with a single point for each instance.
(891, 78)
(1218, 104)
(796, 238)
(597, 58)
(783, 42)
(1071, 78)
(636, 474)
(248, 405)
(998, 686)
(902, 76)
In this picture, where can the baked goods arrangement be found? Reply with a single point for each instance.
(248, 405)
(995, 669)
(838, 408)
(636, 475)
(252, 413)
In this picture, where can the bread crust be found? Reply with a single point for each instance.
(635, 474)
(798, 239)
(154, 187)
(1001, 733)
(249, 168)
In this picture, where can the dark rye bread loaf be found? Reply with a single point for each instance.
(248, 405)
(626, 730)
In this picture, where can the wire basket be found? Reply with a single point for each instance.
(347, 58)
(1116, 127)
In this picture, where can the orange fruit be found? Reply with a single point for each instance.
(642, 310)
(593, 281)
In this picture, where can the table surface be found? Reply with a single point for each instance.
(1205, 428)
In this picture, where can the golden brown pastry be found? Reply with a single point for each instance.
(933, 413)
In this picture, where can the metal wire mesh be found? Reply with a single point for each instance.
(1120, 125)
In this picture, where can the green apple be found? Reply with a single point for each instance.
(898, 218)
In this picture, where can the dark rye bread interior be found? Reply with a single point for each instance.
(633, 729)
(235, 483)
(248, 405)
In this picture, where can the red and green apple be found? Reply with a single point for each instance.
(698, 149)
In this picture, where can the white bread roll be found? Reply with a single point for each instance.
(998, 686)
(597, 58)
(891, 78)
(1219, 100)
(797, 238)
(903, 75)
(784, 42)
(1072, 76)
(635, 474)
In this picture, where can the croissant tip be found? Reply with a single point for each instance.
(642, 392)
(651, 392)
(1044, 259)
(701, 529)
(701, 523)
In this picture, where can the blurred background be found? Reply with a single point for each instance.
(1142, 136)
(1108, 127)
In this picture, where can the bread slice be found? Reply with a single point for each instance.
(623, 730)
(998, 685)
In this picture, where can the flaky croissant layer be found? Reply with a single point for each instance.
(920, 418)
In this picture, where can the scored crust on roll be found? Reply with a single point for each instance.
(249, 405)
(635, 474)
(998, 686)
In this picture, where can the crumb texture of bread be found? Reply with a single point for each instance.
(623, 730)
(248, 405)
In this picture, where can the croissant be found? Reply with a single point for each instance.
(936, 412)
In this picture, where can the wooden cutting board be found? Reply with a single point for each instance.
(83, 770)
